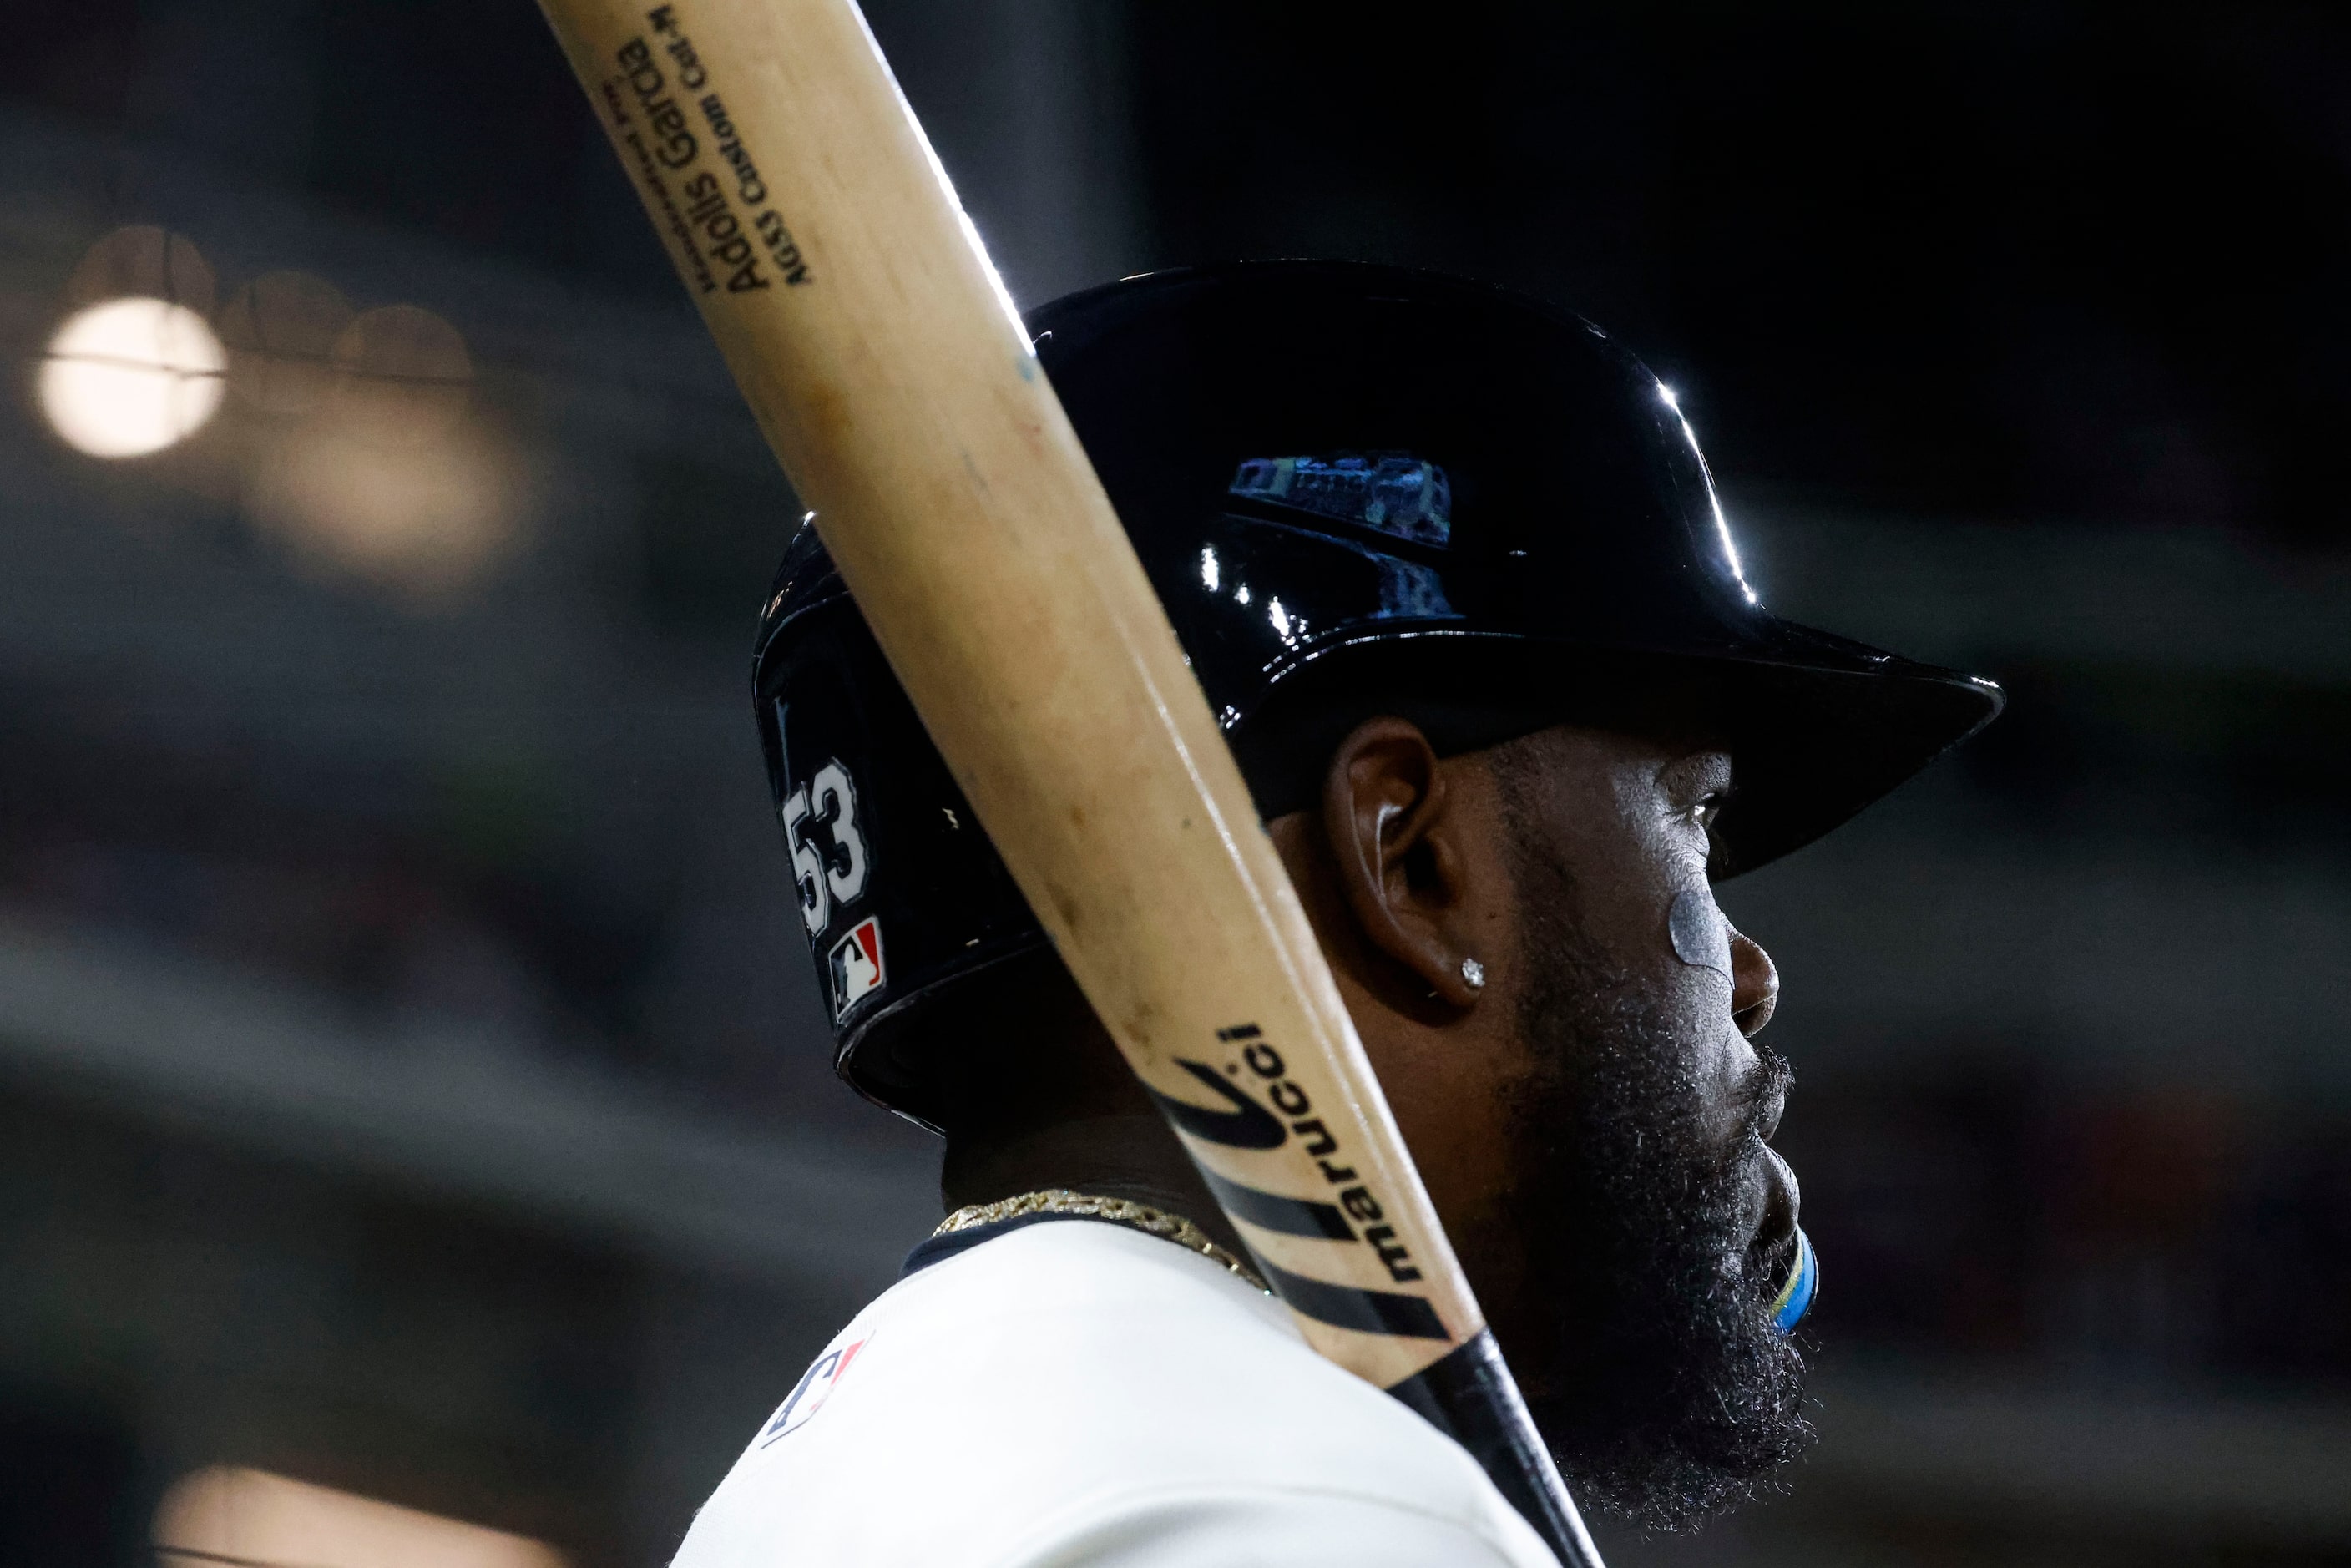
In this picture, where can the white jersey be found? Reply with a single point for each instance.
(1075, 1393)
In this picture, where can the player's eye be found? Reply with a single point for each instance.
(1705, 810)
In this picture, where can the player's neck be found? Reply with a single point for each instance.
(1128, 1156)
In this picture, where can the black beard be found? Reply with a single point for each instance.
(1664, 1390)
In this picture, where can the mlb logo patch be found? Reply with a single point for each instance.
(856, 966)
(815, 1386)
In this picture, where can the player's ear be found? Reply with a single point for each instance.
(1397, 854)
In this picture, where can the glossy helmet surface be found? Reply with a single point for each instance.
(1357, 489)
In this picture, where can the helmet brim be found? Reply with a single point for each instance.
(1818, 726)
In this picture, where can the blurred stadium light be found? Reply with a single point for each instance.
(280, 332)
(255, 1520)
(128, 377)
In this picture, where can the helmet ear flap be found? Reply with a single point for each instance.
(897, 891)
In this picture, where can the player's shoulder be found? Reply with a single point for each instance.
(1076, 1376)
(1088, 1345)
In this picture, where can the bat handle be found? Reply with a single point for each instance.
(1471, 1397)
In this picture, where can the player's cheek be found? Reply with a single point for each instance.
(1723, 1061)
(1690, 959)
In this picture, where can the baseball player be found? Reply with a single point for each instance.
(1451, 571)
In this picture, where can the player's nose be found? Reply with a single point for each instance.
(1754, 983)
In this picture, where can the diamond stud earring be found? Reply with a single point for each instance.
(1473, 974)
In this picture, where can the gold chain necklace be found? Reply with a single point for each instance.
(1116, 1210)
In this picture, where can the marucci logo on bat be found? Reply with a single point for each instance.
(1246, 1124)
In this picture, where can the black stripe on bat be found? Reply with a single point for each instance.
(1343, 1306)
(1247, 1125)
(1272, 1211)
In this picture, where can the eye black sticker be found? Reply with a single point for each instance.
(1701, 937)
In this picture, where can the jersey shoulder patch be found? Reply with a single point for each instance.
(816, 1386)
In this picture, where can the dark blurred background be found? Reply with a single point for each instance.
(410, 1082)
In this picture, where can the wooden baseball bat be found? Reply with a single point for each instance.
(891, 374)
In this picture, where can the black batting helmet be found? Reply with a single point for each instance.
(1357, 489)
